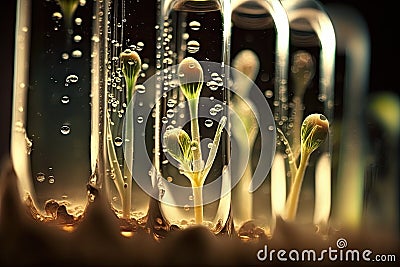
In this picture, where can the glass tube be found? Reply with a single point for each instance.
(51, 146)
(194, 189)
(129, 36)
(353, 44)
(310, 91)
(259, 50)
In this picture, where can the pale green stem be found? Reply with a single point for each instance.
(194, 123)
(293, 198)
(114, 164)
(197, 183)
(197, 198)
(128, 167)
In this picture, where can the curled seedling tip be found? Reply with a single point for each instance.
(131, 66)
(314, 131)
(179, 146)
(190, 77)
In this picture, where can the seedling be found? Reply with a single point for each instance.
(131, 66)
(314, 131)
(186, 149)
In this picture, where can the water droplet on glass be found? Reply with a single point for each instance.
(193, 47)
(171, 103)
(208, 123)
(271, 128)
(186, 207)
(145, 66)
(64, 56)
(269, 93)
(139, 46)
(195, 25)
(51, 179)
(40, 177)
(213, 111)
(77, 38)
(65, 99)
(213, 85)
(76, 53)
(322, 97)
(65, 129)
(118, 141)
(170, 113)
(57, 15)
(170, 179)
(95, 38)
(140, 88)
(71, 79)
(164, 120)
(185, 36)
(140, 119)
(78, 21)
(218, 107)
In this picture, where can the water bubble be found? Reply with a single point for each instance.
(76, 53)
(40, 177)
(271, 128)
(65, 129)
(171, 103)
(170, 179)
(71, 79)
(78, 21)
(186, 207)
(140, 119)
(194, 25)
(213, 85)
(213, 111)
(57, 15)
(208, 123)
(190, 197)
(95, 38)
(64, 56)
(193, 47)
(322, 97)
(65, 99)
(140, 88)
(118, 141)
(145, 66)
(164, 120)
(170, 113)
(218, 107)
(269, 93)
(185, 36)
(77, 38)
(139, 46)
(51, 179)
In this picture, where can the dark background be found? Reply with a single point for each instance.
(378, 16)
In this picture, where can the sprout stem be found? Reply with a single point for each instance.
(293, 198)
(194, 123)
